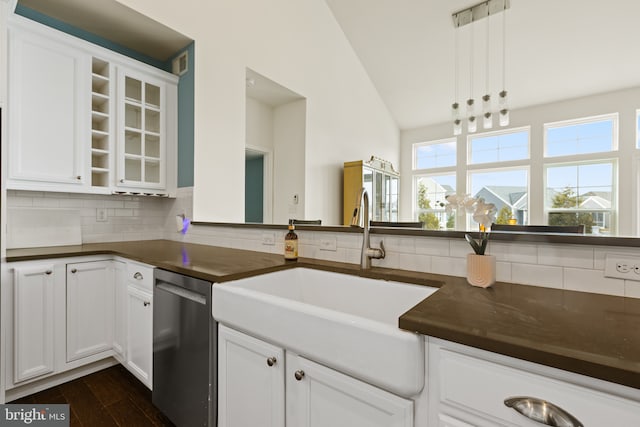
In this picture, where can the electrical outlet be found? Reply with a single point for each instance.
(101, 214)
(622, 267)
(268, 239)
(328, 244)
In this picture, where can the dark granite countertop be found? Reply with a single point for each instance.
(591, 334)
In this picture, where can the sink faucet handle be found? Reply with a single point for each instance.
(382, 251)
(377, 253)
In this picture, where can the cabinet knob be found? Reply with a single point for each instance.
(299, 375)
(542, 411)
(48, 272)
(146, 303)
(271, 361)
(74, 270)
(138, 276)
(122, 180)
(78, 177)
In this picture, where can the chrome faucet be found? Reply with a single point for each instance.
(367, 252)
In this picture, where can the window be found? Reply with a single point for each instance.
(592, 135)
(499, 147)
(581, 194)
(582, 191)
(507, 189)
(435, 154)
(431, 191)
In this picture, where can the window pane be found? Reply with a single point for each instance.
(435, 155)
(512, 201)
(580, 194)
(582, 138)
(499, 147)
(430, 201)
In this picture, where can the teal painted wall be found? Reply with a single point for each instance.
(253, 190)
(186, 85)
(186, 90)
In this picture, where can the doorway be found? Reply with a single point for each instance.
(257, 186)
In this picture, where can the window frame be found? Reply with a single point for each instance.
(615, 143)
(416, 145)
(518, 129)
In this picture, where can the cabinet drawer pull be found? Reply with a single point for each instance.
(542, 411)
(138, 276)
(299, 375)
(74, 270)
(48, 272)
(146, 303)
(271, 361)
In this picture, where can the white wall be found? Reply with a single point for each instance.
(289, 161)
(259, 125)
(299, 45)
(624, 102)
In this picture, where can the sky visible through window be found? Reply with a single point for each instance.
(499, 147)
(583, 138)
(436, 155)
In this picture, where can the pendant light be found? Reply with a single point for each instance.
(502, 98)
(471, 113)
(487, 117)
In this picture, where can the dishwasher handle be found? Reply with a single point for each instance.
(182, 292)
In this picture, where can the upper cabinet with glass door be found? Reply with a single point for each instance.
(142, 132)
(86, 119)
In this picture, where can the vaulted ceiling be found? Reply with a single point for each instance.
(555, 50)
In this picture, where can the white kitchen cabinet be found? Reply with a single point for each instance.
(120, 311)
(90, 308)
(142, 131)
(255, 374)
(468, 386)
(86, 119)
(320, 396)
(33, 321)
(139, 346)
(250, 370)
(46, 105)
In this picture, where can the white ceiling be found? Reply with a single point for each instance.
(556, 49)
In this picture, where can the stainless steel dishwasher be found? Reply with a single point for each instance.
(184, 350)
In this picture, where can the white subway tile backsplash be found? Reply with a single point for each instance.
(449, 266)
(432, 246)
(514, 252)
(537, 275)
(566, 255)
(601, 252)
(459, 248)
(141, 218)
(631, 289)
(578, 279)
(503, 271)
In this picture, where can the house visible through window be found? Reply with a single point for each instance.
(582, 190)
(574, 175)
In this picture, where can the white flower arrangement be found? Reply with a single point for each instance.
(482, 213)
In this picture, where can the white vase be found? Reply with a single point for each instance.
(481, 270)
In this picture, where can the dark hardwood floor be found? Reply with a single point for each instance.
(111, 397)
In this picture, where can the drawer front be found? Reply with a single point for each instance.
(140, 275)
(479, 388)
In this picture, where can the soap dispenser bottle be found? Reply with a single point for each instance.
(291, 243)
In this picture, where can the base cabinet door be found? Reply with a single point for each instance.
(140, 334)
(318, 396)
(120, 311)
(250, 381)
(90, 293)
(33, 321)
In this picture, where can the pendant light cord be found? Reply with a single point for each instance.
(504, 48)
(488, 44)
